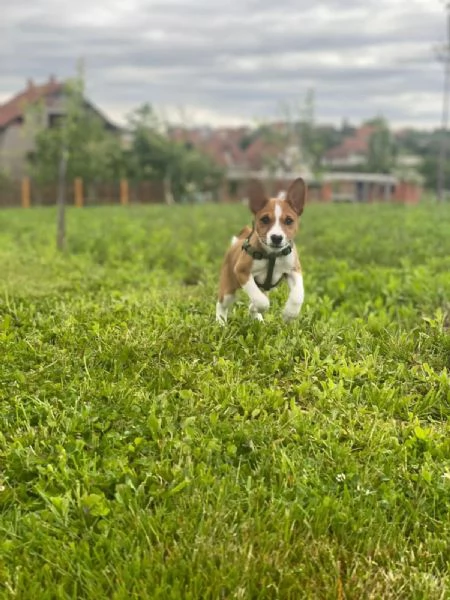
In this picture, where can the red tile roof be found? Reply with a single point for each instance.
(357, 144)
(224, 146)
(14, 108)
(260, 150)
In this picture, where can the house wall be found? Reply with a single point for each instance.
(14, 146)
(408, 193)
(358, 189)
(314, 193)
(326, 192)
(17, 139)
(350, 160)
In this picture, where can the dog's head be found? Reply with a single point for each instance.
(276, 219)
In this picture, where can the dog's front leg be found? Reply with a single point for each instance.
(296, 296)
(259, 302)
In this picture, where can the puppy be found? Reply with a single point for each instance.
(259, 258)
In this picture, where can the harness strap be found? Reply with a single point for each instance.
(267, 285)
(271, 257)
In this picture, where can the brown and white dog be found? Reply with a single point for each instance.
(260, 258)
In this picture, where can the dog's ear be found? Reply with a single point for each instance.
(296, 195)
(257, 198)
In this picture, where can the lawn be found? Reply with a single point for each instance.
(146, 452)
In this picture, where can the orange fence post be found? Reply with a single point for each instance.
(124, 192)
(79, 200)
(26, 195)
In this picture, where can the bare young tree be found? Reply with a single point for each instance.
(61, 219)
(74, 108)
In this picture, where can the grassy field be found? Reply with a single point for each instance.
(146, 452)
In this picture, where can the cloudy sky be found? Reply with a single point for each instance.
(234, 61)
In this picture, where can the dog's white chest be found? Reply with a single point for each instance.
(283, 265)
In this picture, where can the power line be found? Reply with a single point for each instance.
(445, 113)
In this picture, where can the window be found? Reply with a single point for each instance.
(55, 120)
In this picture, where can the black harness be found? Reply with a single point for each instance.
(271, 257)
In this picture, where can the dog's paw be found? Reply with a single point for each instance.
(261, 303)
(221, 314)
(257, 316)
(291, 311)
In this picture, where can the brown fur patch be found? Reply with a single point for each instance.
(266, 217)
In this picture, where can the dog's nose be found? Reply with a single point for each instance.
(276, 239)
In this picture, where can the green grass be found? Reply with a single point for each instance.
(145, 452)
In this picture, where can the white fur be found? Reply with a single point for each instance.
(283, 264)
(222, 308)
(254, 313)
(259, 302)
(296, 296)
(276, 227)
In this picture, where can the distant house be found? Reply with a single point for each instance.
(16, 138)
(221, 145)
(244, 148)
(408, 161)
(352, 151)
(334, 186)
(276, 160)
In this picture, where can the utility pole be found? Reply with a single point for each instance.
(445, 111)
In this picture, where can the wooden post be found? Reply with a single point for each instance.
(26, 196)
(124, 192)
(79, 199)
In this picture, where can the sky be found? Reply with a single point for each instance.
(238, 61)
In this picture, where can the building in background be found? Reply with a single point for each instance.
(17, 133)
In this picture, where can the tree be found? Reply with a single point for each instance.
(429, 170)
(94, 153)
(347, 129)
(311, 141)
(153, 155)
(297, 144)
(382, 150)
(79, 145)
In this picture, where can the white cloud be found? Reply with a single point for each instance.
(236, 61)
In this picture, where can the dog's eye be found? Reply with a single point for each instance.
(265, 220)
(289, 221)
